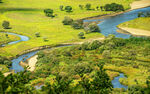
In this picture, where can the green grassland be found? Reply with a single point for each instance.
(4, 39)
(129, 56)
(26, 17)
(139, 23)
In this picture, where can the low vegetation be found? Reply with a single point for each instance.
(139, 23)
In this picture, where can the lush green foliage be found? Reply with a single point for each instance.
(67, 21)
(6, 24)
(5, 62)
(49, 12)
(68, 9)
(114, 7)
(78, 64)
(16, 84)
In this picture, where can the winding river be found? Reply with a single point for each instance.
(108, 26)
(22, 38)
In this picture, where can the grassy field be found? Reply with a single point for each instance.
(4, 39)
(139, 23)
(26, 17)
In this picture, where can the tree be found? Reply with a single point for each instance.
(97, 7)
(15, 83)
(101, 8)
(49, 12)
(0, 1)
(114, 7)
(81, 35)
(6, 35)
(92, 28)
(88, 6)
(78, 24)
(37, 34)
(61, 7)
(101, 83)
(67, 21)
(68, 9)
(6, 24)
(81, 7)
(45, 38)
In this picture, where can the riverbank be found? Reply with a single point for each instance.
(133, 31)
(134, 5)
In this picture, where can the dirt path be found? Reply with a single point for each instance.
(140, 4)
(137, 32)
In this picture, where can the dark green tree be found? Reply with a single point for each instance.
(68, 9)
(78, 24)
(67, 21)
(81, 35)
(49, 12)
(6, 24)
(88, 6)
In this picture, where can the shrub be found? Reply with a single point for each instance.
(61, 7)
(81, 35)
(68, 9)
(88, 6)
(95, 44)
(78, 24)
(6, 24)
(81, 6)
(37, 34)
(106, 54)
(45, 38)
(92, 28)
(114, 7)
(49, 12)
(67, 21)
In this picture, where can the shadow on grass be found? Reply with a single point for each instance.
(18, 9)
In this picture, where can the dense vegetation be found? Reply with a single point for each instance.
(130, 56)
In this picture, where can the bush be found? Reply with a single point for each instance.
(68, 9)
(6, 24)
(49, 12)
(106, 54)
(95, 44)
(45, 38)
(81, 7)
(37, 34)
(67, 21)
(81, 35)
(114, 7)
(61, 7)
(78, 24)
(92, 28)
(88, 6)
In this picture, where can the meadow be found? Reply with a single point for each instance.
(27, 17)
(139, 23)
